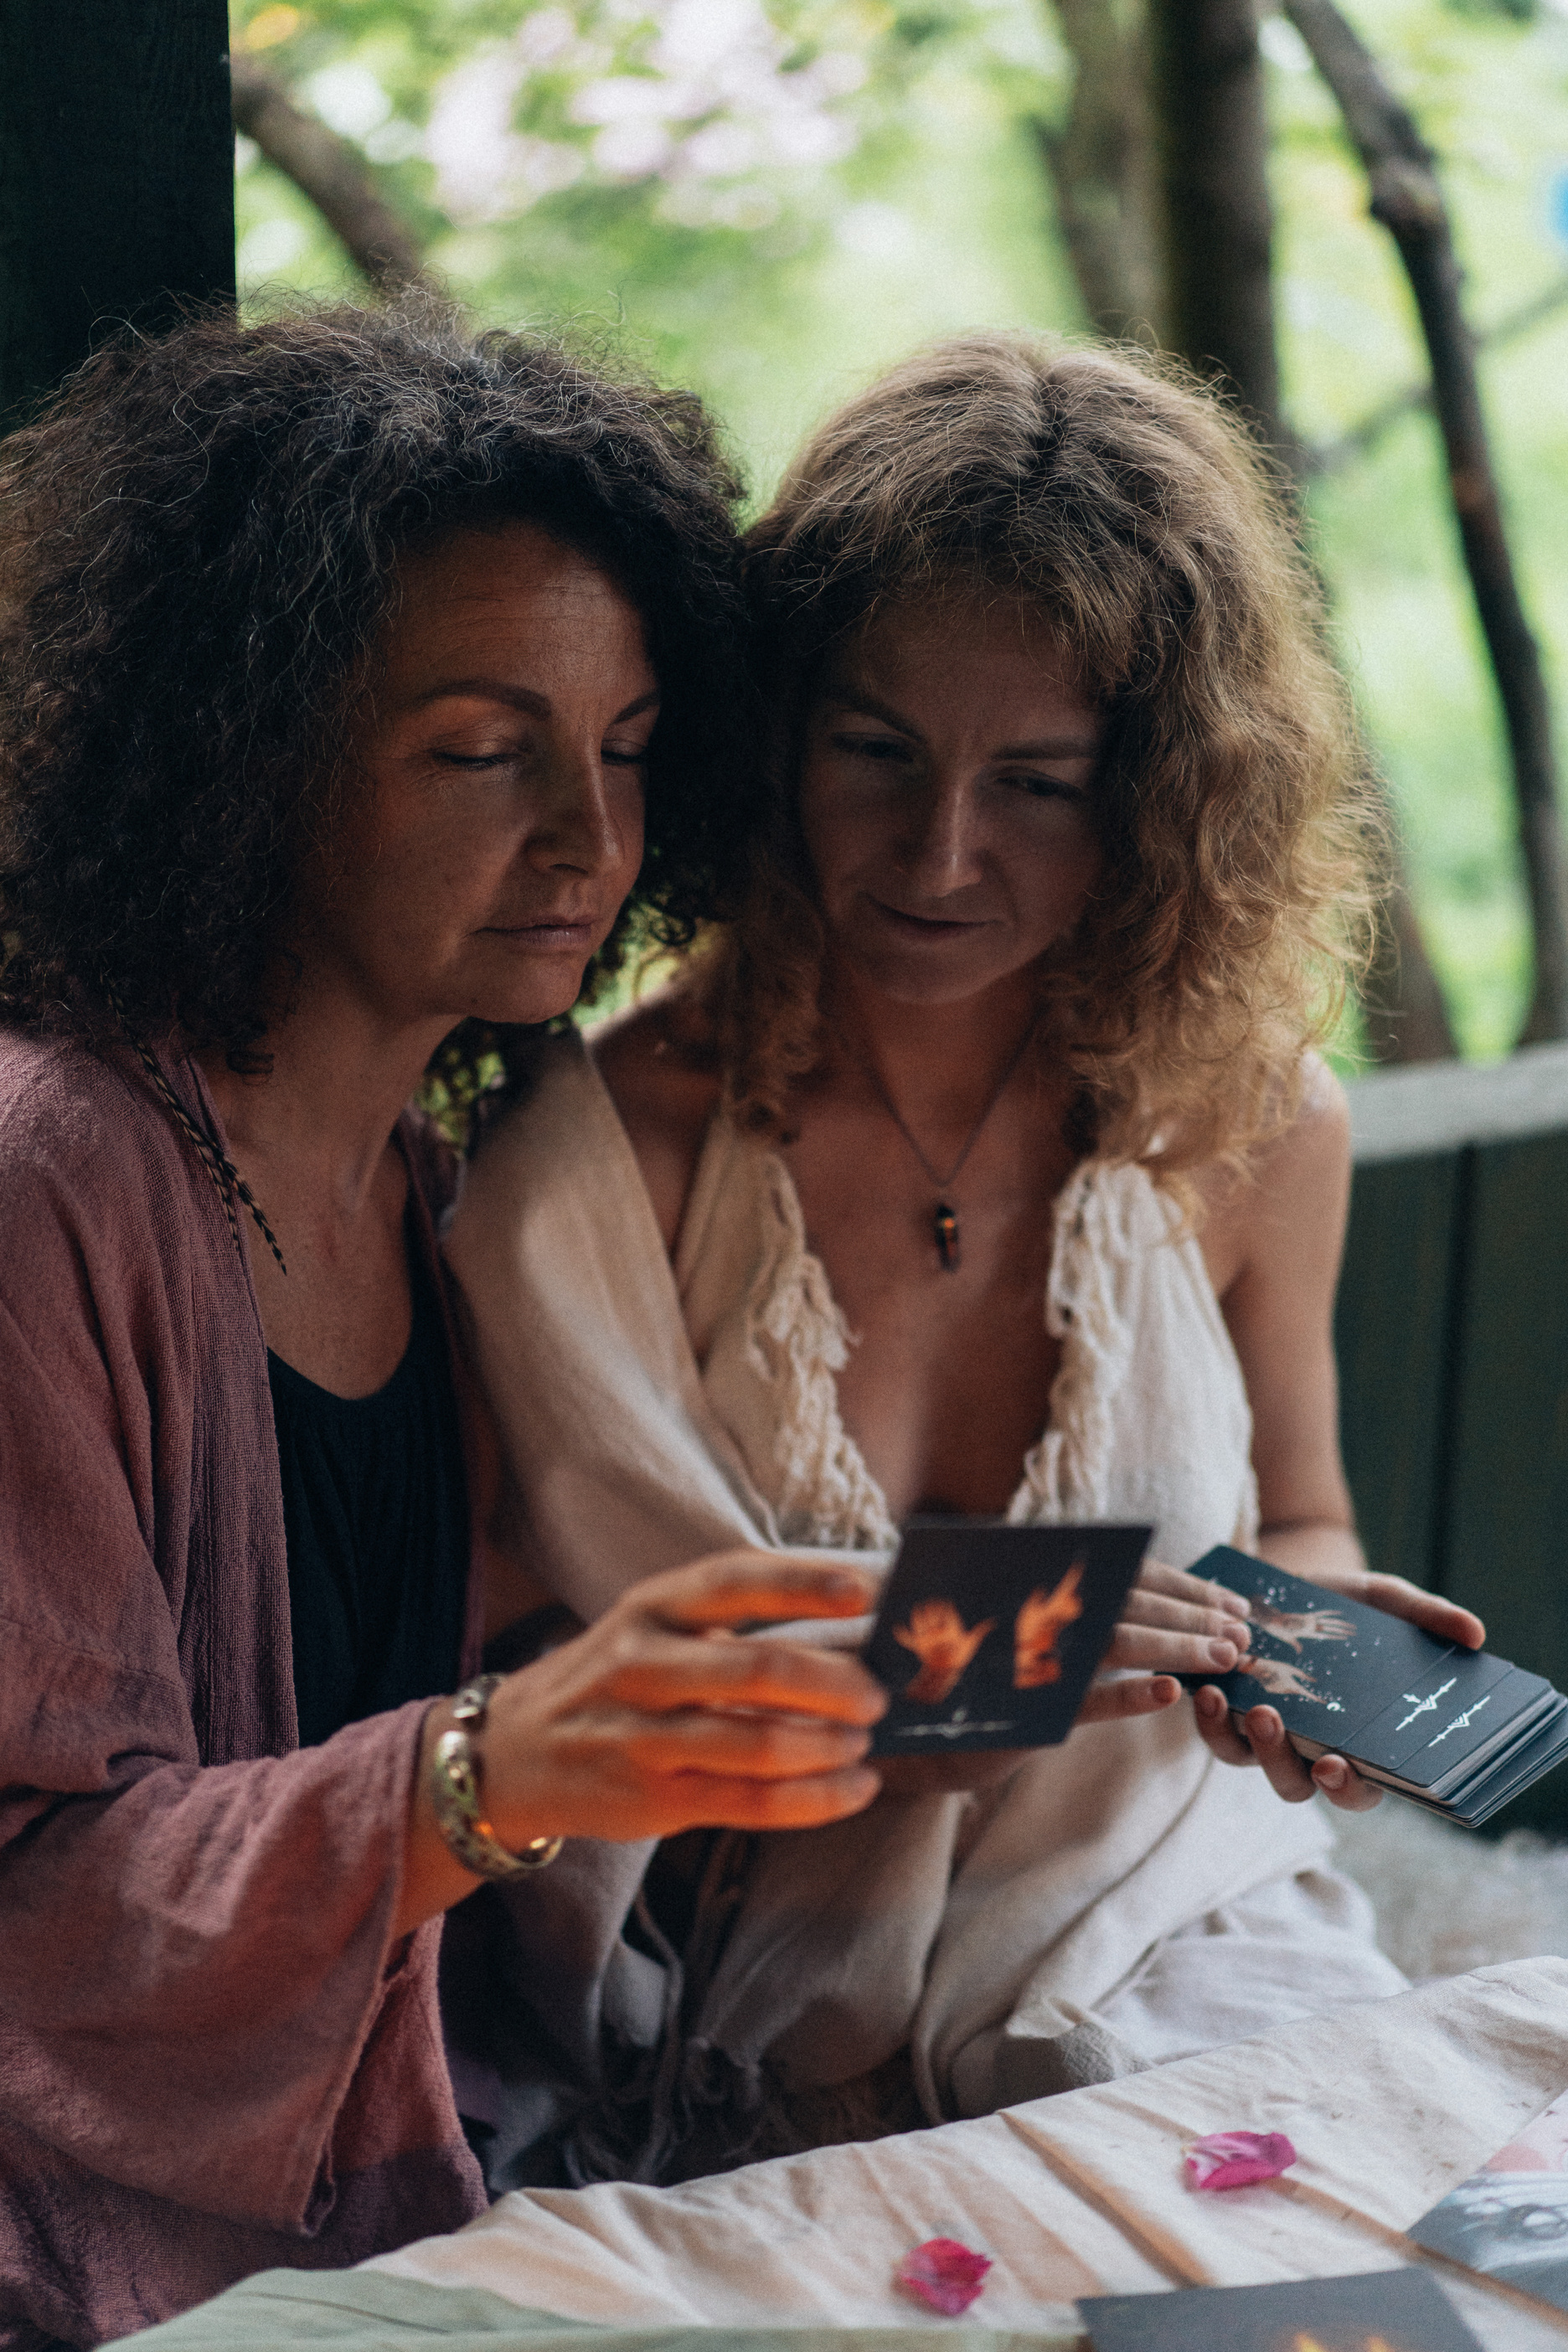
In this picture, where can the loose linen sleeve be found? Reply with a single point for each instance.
(194, 1922)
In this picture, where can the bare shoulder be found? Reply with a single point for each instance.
(1292, 1200)
(658, 1066)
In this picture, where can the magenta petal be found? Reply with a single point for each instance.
(1230, 2159)
(945, 2274)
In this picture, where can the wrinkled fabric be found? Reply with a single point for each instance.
(1389, 2104)
(652, 1412)
(212, 2057)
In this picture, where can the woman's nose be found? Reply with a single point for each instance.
(940, 848)
(582, 825)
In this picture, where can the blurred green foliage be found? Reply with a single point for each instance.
(772, 199)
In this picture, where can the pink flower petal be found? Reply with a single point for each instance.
(1230, 2159)
(945, 2274)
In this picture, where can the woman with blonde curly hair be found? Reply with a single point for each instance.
(980, 1163)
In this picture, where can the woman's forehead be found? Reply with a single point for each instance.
(935, 645)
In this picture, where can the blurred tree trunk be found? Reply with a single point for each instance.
(116, 177)
(1408, 199)
(1211, 129)
(1402, 1004)
(1211, 140)
(1100, 165)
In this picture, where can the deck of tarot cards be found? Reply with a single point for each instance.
(1456, 1730)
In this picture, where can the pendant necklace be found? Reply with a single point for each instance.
(944, 1216)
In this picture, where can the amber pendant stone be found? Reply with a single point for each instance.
(944, 1227)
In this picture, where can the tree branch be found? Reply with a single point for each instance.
(327, 170)
(1364, 436)
(1408, 201)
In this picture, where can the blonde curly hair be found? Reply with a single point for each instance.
(1135, 516)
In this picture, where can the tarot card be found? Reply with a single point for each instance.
(1376, 2311)
(1330, 1666)
(988, 1636)
(1442, 1718)
(1517, 1769)
(1511, 2219)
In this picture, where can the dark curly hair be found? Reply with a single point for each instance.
(198, 548)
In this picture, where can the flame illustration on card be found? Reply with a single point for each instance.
(988, 1635)
(1039, 1626)
(1368, 2344)
(944, 1646)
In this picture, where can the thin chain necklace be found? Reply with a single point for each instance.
(944, 1216)
(227, 1181)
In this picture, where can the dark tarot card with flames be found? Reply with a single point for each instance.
(988, 1636)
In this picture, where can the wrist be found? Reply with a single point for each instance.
(454, 1768)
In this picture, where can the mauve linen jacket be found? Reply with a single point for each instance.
(214, 2056)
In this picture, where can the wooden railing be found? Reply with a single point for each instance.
(1452, 1334)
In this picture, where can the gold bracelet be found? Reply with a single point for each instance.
(455, 1795)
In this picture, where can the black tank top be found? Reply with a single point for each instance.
(376, 1511)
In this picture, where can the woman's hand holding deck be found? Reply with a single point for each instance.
(1259, 1736)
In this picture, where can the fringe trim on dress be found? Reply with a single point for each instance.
(797, 1340)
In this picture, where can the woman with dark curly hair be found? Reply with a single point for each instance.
(981, 1165)
(356, 680)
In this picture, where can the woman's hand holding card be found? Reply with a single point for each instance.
(1173, 1624)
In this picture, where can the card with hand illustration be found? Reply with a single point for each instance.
(988, 1636)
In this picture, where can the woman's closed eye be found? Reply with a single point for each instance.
(889, 748)
(614, 755)
(476, 758)
(1040, 787)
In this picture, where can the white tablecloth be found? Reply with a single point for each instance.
(1388, 2104)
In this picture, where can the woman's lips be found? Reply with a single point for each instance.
(552, 937)
(925, 927)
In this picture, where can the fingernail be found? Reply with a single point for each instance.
(1222, 1654)
(1211, 1702)
(1234, 1603)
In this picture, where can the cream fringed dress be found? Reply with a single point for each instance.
(1121, 1899)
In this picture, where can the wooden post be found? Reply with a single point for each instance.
(116, 177)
